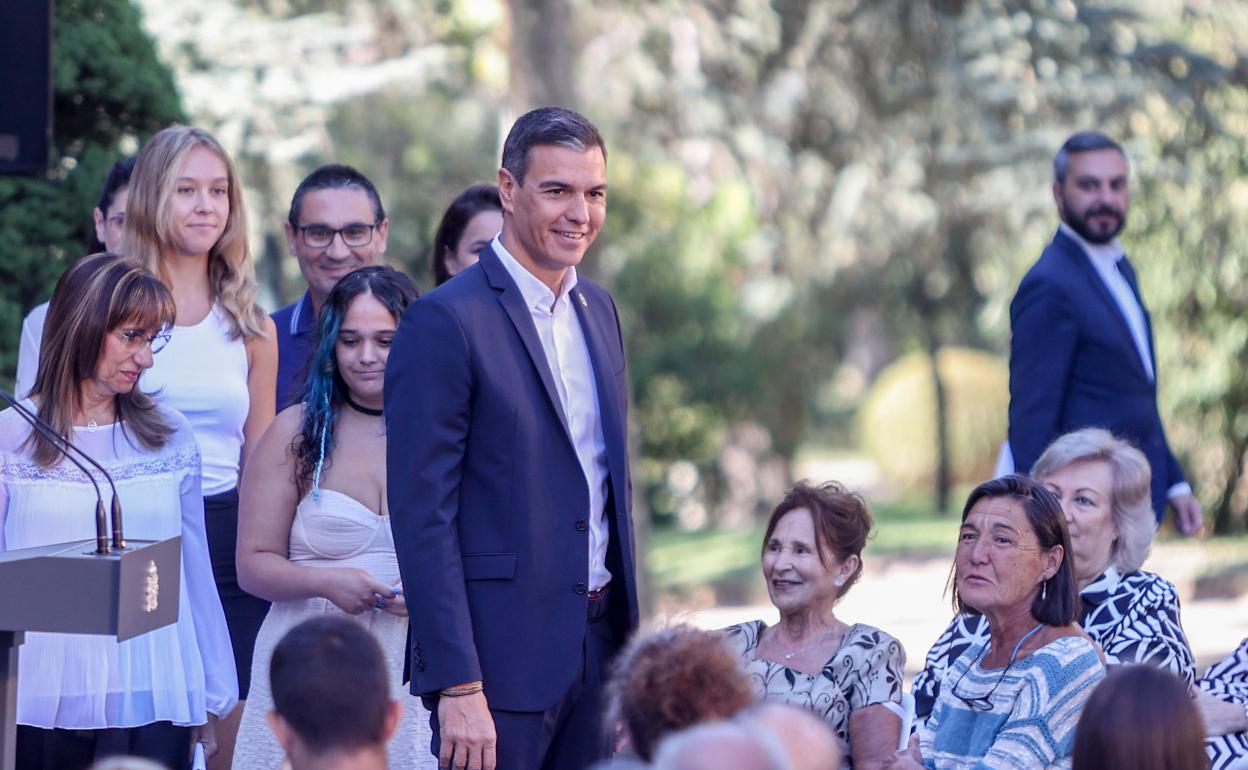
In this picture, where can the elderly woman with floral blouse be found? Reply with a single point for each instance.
(847, 674)
(1133, 615)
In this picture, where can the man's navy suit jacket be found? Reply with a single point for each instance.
(1074, 364)
(488, 501)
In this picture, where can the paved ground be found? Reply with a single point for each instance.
(906, 599)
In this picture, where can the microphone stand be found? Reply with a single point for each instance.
(62, 443)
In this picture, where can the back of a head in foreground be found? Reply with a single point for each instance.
(673, 678)
(720, 746)
(1140, 717)
(330, 685)
(808, 741)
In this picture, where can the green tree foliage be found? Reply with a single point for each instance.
(897, 155)
(799, 188)
(419, 160)
(1192, 218)
(109, 89)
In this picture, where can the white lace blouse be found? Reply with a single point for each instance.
(179, 673)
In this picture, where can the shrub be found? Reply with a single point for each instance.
(896, 423)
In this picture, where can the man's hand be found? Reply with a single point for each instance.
(1188, 515)
(467, 733)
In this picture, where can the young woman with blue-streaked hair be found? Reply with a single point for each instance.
(314, 529)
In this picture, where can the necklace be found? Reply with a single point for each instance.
(361, 409)
(984, 702)
(800, 650)
(92, 425)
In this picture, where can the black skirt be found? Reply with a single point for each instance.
(243, 612)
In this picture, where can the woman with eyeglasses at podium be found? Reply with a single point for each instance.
(1013, 700)
(185, 222)
(82, 697)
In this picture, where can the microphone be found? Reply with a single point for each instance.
(102, 545)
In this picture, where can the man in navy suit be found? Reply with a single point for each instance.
(508, 471)
(1082, 349)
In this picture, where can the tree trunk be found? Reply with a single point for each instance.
(941, 480)
(543, 52)
(1224, 514)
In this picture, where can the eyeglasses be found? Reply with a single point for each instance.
(984, 702)
(354, 235)
(135, 339)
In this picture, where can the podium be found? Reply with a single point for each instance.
(70, 588)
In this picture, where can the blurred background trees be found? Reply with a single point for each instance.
(109, 91)
(819, 208)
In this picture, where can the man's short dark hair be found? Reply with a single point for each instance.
(330, 684)
(550, 126)
(335, 176)
(1084, 141)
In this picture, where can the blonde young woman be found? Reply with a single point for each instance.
(185, 222)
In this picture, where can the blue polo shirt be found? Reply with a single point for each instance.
(296, 338)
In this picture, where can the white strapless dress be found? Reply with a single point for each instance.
(337, 531)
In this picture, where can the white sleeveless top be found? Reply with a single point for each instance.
(203, 374)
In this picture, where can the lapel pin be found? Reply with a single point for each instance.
(581, 297)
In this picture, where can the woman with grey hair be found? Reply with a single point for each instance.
(1103, 485)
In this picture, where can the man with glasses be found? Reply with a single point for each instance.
(336, 225)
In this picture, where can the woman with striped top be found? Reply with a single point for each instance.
(1132, 614)
(1012, 701)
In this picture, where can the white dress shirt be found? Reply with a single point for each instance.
(567, 354)
(1104, 258)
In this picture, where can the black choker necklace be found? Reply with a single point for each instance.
(362, 409)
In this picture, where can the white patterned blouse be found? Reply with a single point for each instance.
(179, 673)
(1228, 679)
(868, 668)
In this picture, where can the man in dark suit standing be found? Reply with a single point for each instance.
(1082, 349)
(508, 471)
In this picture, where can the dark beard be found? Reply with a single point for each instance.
(1080, 225)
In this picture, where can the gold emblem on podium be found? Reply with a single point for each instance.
(151, 588)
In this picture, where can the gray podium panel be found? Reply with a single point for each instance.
(68, 588)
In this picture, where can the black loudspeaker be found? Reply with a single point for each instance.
(25, 85)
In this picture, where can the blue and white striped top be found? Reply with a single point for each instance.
(1035, 708)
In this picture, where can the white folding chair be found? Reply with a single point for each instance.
(904, 712)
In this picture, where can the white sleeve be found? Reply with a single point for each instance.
(4, 506)
(28, 350)
(211, 632)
